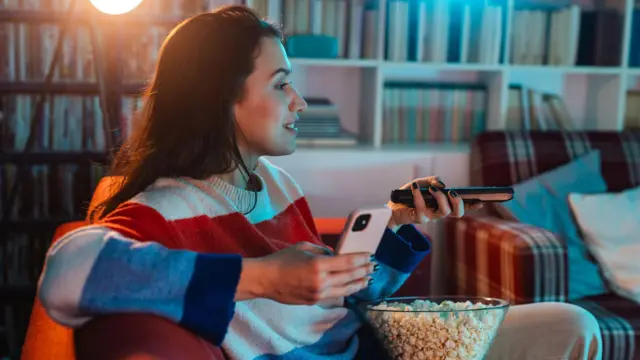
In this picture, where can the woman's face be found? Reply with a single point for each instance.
(269, 107)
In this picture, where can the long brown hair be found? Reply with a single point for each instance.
(187, 126)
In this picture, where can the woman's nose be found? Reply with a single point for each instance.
(298, 104)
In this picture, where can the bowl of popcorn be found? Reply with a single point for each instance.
(452, 327)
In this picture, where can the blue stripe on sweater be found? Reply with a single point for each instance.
(346, 328)
(209, 302)
(194, 290)
(403, 250)
(398, 255)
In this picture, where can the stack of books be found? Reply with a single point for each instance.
(417, 113)
(319, 125)
(530, 109)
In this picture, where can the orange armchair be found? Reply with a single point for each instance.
(113, 337)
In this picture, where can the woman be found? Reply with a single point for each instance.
(207, 233)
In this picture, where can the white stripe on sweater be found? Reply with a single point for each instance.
(177, 199)
(60, 290)
(263, 326)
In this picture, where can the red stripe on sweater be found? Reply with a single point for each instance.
(227, 234)
(142, 223)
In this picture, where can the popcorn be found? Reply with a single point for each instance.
(428, 330)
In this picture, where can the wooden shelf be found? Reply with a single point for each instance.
(34, 158)
(39, 87)
(422, 66)
(79, 88)
(586, 70)
(34, 226)
(85, 18)
(337, 62)
(413, 66)
(31, 16)
(436, 148)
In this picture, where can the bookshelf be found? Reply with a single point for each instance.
(562, 49)
(501, 43)
(493, 55)
(70, 151)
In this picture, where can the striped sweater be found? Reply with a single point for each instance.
(175, 251)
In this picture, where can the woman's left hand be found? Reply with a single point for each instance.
(449, 204)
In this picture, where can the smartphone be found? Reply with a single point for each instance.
(363, 230)
(471, 194)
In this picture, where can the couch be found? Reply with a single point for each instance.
(492, 256)
(148, 337)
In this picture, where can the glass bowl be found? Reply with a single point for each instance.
(443, 327)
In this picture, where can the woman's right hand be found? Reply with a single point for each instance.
(304, 274)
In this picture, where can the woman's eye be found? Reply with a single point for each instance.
(282, 86)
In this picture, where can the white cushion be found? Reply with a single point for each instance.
(610, 224)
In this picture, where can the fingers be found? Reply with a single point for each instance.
(437, 182)
(313, 248)
(346, 289)
(333, 284)
(443, 202)
(345, 262)
(420, 205)
(428, 181)
(342, 278)
(457, 205)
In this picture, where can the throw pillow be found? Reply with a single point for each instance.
(542, 201)
(610, 224)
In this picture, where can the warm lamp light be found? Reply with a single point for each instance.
(115, 7)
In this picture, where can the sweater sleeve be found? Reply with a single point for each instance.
(398, 254)
(128, 263)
